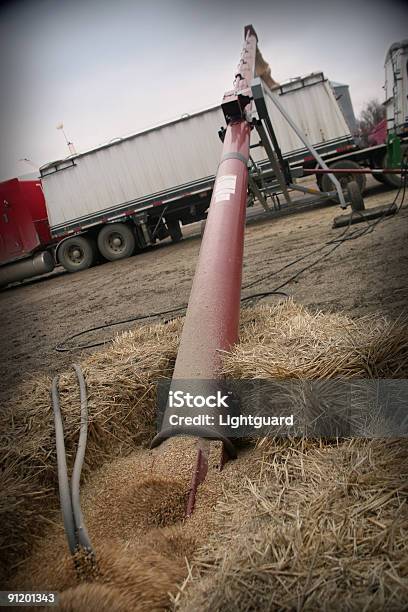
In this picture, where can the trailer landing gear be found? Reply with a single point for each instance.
(173, 226)
(355, 197)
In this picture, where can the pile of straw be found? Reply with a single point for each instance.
(22, 513)
(122, 412)
(318, 528)
(289, 341)
(302, 533)
(121, 402)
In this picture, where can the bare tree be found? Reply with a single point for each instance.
(370, 116)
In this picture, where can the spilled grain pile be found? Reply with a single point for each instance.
(284, 516)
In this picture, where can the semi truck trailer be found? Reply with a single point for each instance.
(119, 197)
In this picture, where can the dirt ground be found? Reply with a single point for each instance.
(363, 275)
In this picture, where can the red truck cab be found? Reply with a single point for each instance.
(25, 238)
(24, 225)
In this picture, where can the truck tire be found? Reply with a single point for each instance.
(116, 241)
(392, 180)
(344, 179)
(77, 253)
(355, 197)
(174, 230)
(380, 178)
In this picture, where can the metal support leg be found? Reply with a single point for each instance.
(258, 194)
(274, 161)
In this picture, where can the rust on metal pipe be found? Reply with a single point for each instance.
(199, 474)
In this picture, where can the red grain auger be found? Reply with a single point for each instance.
(212, 318)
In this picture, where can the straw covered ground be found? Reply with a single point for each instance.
(291, 524)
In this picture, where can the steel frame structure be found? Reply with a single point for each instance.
(269, 142)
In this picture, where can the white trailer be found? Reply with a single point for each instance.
(396, 88)
(132, 191)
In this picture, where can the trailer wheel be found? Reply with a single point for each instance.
(77, 253)
(380, 178)
(173, 225)
(392, 180)
(344, 179)
(355, 197)
(116, 241)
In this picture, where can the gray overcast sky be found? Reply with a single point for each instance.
(109, 68)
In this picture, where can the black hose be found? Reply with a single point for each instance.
(60, 348)
(263, 294)
(75, 529)
(82, 533)
(63, 484)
